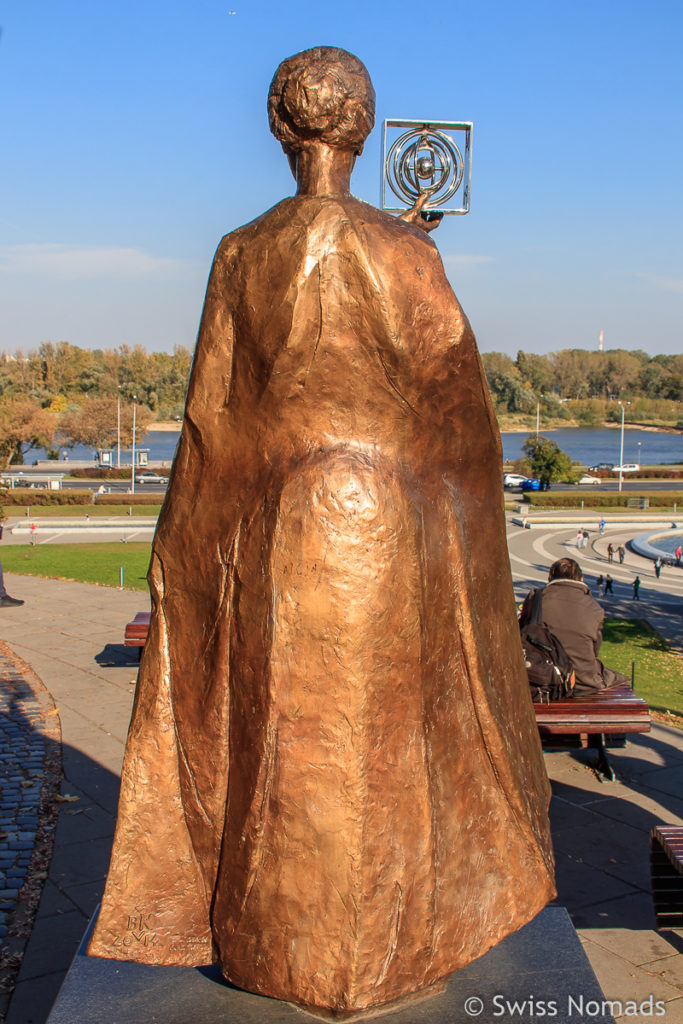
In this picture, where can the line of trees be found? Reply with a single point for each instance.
(61, 394)
(591, 381)
(59, 375)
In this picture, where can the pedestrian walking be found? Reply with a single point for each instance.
(599, 583)
(608, 585)
(636, 588)
(603, 524)
(622, 554)
(34, 534)
(586, 535)
(610, 553)
(579, 537)
(679, 552)
(658, 567)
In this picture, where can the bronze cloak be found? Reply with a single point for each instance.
(333, 780)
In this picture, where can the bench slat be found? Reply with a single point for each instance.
(614, 710)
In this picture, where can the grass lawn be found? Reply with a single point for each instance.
(80, 511)
(87, 563)
(659, 669)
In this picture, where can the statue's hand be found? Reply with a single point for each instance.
(427, 221)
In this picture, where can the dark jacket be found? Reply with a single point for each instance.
(576, 618)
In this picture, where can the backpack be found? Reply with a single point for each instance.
(548, 666)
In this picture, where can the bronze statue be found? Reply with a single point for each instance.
(333, 781)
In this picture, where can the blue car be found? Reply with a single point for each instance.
(532, 484)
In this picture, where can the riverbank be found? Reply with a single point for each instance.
(166, 426)
(514, 424)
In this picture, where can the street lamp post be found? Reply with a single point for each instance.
(132, 473)
(118, 430)
(621, 450)
(640, 445)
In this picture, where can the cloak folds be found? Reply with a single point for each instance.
(333, 781)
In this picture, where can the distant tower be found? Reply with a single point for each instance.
(600, 342)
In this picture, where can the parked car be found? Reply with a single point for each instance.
(513, 480)
(628, 467)
(604, 466)
(150, 478)
(588, 479)
(532, 484)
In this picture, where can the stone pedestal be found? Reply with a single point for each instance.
(542, 969)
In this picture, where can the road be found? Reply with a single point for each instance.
(612, 485)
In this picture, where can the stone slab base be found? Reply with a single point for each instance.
(538, 974)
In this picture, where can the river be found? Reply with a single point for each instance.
(588, 446)
(584, 445)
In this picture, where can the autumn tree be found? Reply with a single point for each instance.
(94, 423)
(569, 369)
(23, 422)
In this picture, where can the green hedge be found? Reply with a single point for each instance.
(129, 499)
(25, 496)
(643, 474)
(612, 499)
(97, 473)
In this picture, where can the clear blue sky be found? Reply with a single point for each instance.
(134, 135)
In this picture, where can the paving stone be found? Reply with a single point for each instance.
(32, 999)
(44, 954)
(669, 969)
(623, 981)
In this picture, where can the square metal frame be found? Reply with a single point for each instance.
(442, 126)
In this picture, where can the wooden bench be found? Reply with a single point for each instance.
(598, 720)
(666, 870)
(136, 631)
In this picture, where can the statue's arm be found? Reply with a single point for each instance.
(415, 215)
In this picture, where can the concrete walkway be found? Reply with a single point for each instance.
(71, 636)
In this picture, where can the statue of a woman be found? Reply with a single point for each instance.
(333, 781)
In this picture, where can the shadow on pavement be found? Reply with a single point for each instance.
(601, 831)
(118, 656)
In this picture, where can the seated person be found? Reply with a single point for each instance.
(576, 619)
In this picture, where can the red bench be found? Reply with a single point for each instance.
(136, 631)
(666, 870)
(600, 719)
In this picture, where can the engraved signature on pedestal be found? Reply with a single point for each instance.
(138, 931)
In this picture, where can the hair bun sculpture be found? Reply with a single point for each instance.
(323, 94)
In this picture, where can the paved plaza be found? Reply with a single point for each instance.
(64, 666)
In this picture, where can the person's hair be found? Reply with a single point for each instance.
(323, 94)
(565, 569)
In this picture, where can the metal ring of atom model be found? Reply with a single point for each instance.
(424, 161)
